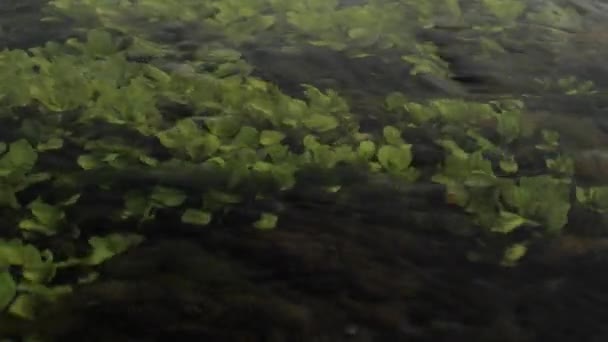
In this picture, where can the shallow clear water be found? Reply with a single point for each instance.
(270, 170)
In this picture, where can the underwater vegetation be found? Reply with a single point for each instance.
(153, 110)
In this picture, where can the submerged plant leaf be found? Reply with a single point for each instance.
(266, 221)
(8, 289)
(196, 217)
(395, 159)
(247, 137)
(24, 306)
(541, 198)
(508, 222)
(320, 122)
(268, 137)
(392, 135)
(480, 179)
(167, 197)
(367, 149)
(46, 218)
(51, 144)
(88, 162)
(513, 254)
(508, 165)
(20, 158)
(105, 247)
(595, 197)
(506, 10)
(223, 126)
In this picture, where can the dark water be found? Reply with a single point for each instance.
(270, 170)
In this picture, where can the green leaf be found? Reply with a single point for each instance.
(46, 218)
(541, 198)
(8, 289)
(480, 179)
(45, 213)
(266, 221)
(247, 137)
(366, 150)
(556, 16)
(508, 222)
(167, 197)
(24, 306)
(110, 245)
(310, 142)
(277, 153)
(505, 10)
(513, 254)
(268, 137)
(395, 159)
(595, 197)
(419, 113)
(88, 162)
(20, 158)
(215, 200)
(392, 135)
(395, 101)
(137, 204)
(11, 253)
(320, 122)
(35, 226)
(510, 125)
(223, 126)
(196, 217)
(99, 43)
(203, 146)
(51, 144)
(508, 165)
(561, 165)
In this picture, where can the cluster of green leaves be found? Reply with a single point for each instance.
(595, 197)
(243, 136)
(359, 29)
(483, 176)
(26, 272)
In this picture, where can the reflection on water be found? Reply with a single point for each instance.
(230, 170)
